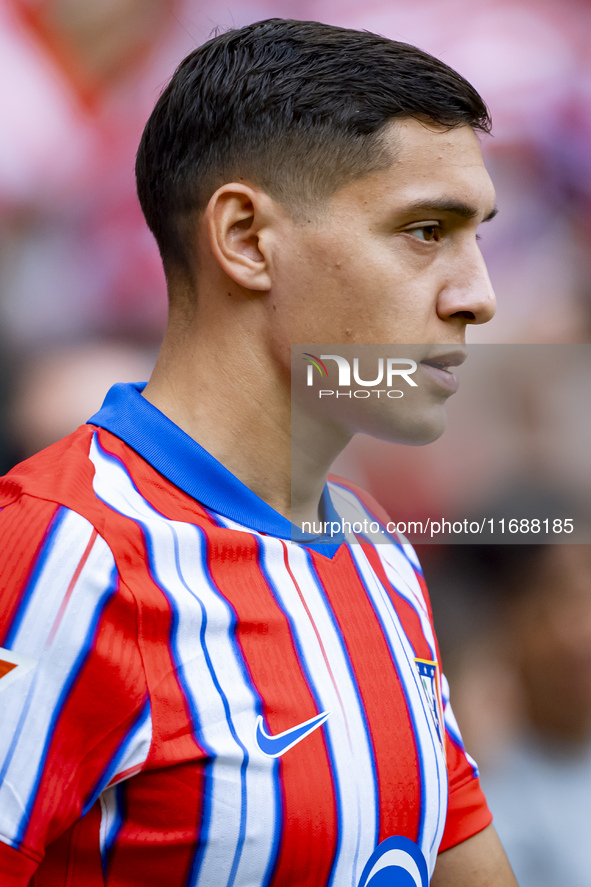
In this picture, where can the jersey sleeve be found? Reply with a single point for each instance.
(73, 694)
(467, 810)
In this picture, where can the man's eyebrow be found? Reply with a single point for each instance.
(452, 207)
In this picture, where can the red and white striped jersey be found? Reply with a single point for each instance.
(189, 697)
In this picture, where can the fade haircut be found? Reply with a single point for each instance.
(295, 108)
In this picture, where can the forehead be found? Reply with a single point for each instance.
(429, 164)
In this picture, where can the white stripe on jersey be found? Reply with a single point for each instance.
(214, 677)
(352, 759)
(434, 774)
(111, 821)
(29, 725)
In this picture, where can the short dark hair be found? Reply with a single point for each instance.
(295, 108)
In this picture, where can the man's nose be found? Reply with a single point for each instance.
(468, 295)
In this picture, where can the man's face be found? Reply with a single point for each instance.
(394, 260)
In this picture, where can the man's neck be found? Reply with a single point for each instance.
(231, 398)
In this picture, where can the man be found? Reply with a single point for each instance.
(195, 698)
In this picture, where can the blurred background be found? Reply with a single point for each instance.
(82, 305)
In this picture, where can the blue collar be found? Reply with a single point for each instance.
(168, 449)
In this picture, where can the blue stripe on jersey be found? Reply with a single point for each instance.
(65, 693)
(141, 718)
(457, 740)
(208, 768)
(454, 734)
(279, 811)
(317, 702)
(48, 543)
(186, 464)
(355, 686)
(278, 828)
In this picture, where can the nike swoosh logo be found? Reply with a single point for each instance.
(275, 746)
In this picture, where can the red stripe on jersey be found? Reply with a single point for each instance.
(16, 867)
(77, 850)
(24, 524)
(157, 841)
(63, 467)
(125, 774)
(383, 697)
(70, 588)
(308, 837)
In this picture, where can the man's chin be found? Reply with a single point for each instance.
(416, 432)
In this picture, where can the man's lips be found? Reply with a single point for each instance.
(443, 360)
(438, 366)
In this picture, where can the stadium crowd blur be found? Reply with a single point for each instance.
(82, 305)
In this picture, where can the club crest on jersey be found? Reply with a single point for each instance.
(431, 684)
(13, 666)
(396, 862)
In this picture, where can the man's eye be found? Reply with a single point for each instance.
(426, 233)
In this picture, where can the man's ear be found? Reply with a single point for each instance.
(238, 220)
